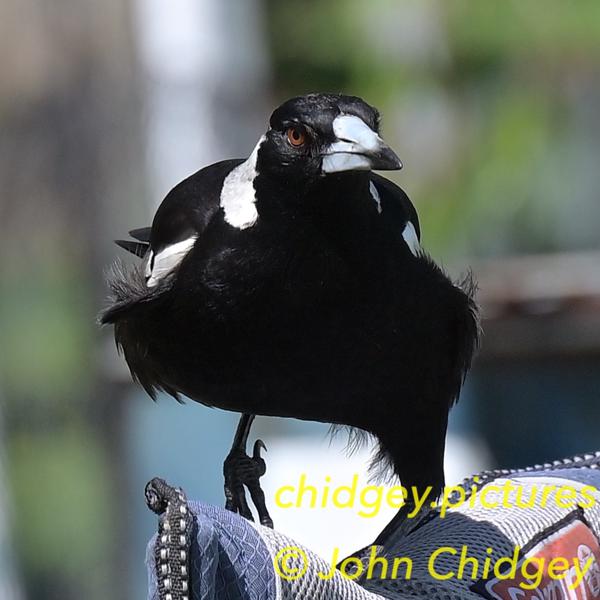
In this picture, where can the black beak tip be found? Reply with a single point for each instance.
(387, 160)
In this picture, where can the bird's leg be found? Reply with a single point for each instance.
(399, 518)
(241, 470)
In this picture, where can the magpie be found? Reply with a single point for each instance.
(292, 283)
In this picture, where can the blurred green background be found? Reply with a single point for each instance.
(493, 108)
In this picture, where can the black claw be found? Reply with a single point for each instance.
(242, 505)
(267, 522)
(258, 497)
(242, 471)
(229, 501)
(258, 444)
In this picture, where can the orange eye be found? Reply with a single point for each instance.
(296, 137)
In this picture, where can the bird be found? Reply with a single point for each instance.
(293, 283)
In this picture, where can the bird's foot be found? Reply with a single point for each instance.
(242, 470)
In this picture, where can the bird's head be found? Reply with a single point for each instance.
(320, 134)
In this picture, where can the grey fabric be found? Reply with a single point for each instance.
(229, 559)
(233, 558)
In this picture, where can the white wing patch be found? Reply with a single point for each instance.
(375, 196)
(410, 237)
(161, 264)
(238, 199)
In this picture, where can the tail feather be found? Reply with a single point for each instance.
(142, 234)
(467, 329)
(129, 296)
(137, 248)
(128, 290)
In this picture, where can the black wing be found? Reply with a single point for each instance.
(396, 207)
(190, 205)
(186, 210)
(183, 215)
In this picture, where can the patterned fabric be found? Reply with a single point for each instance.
(229, 559)
(234, 559)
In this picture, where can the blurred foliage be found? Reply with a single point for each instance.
(45, 321)
(68, 540)
(68, 145)
(54, 453)
(491, 106)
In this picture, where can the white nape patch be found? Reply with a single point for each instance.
(167, 260)
(375, 196)
(410, 237)
(238, 199)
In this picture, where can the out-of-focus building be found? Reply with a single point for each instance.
(537, 379)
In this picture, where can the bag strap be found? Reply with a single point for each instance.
(175, 529)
